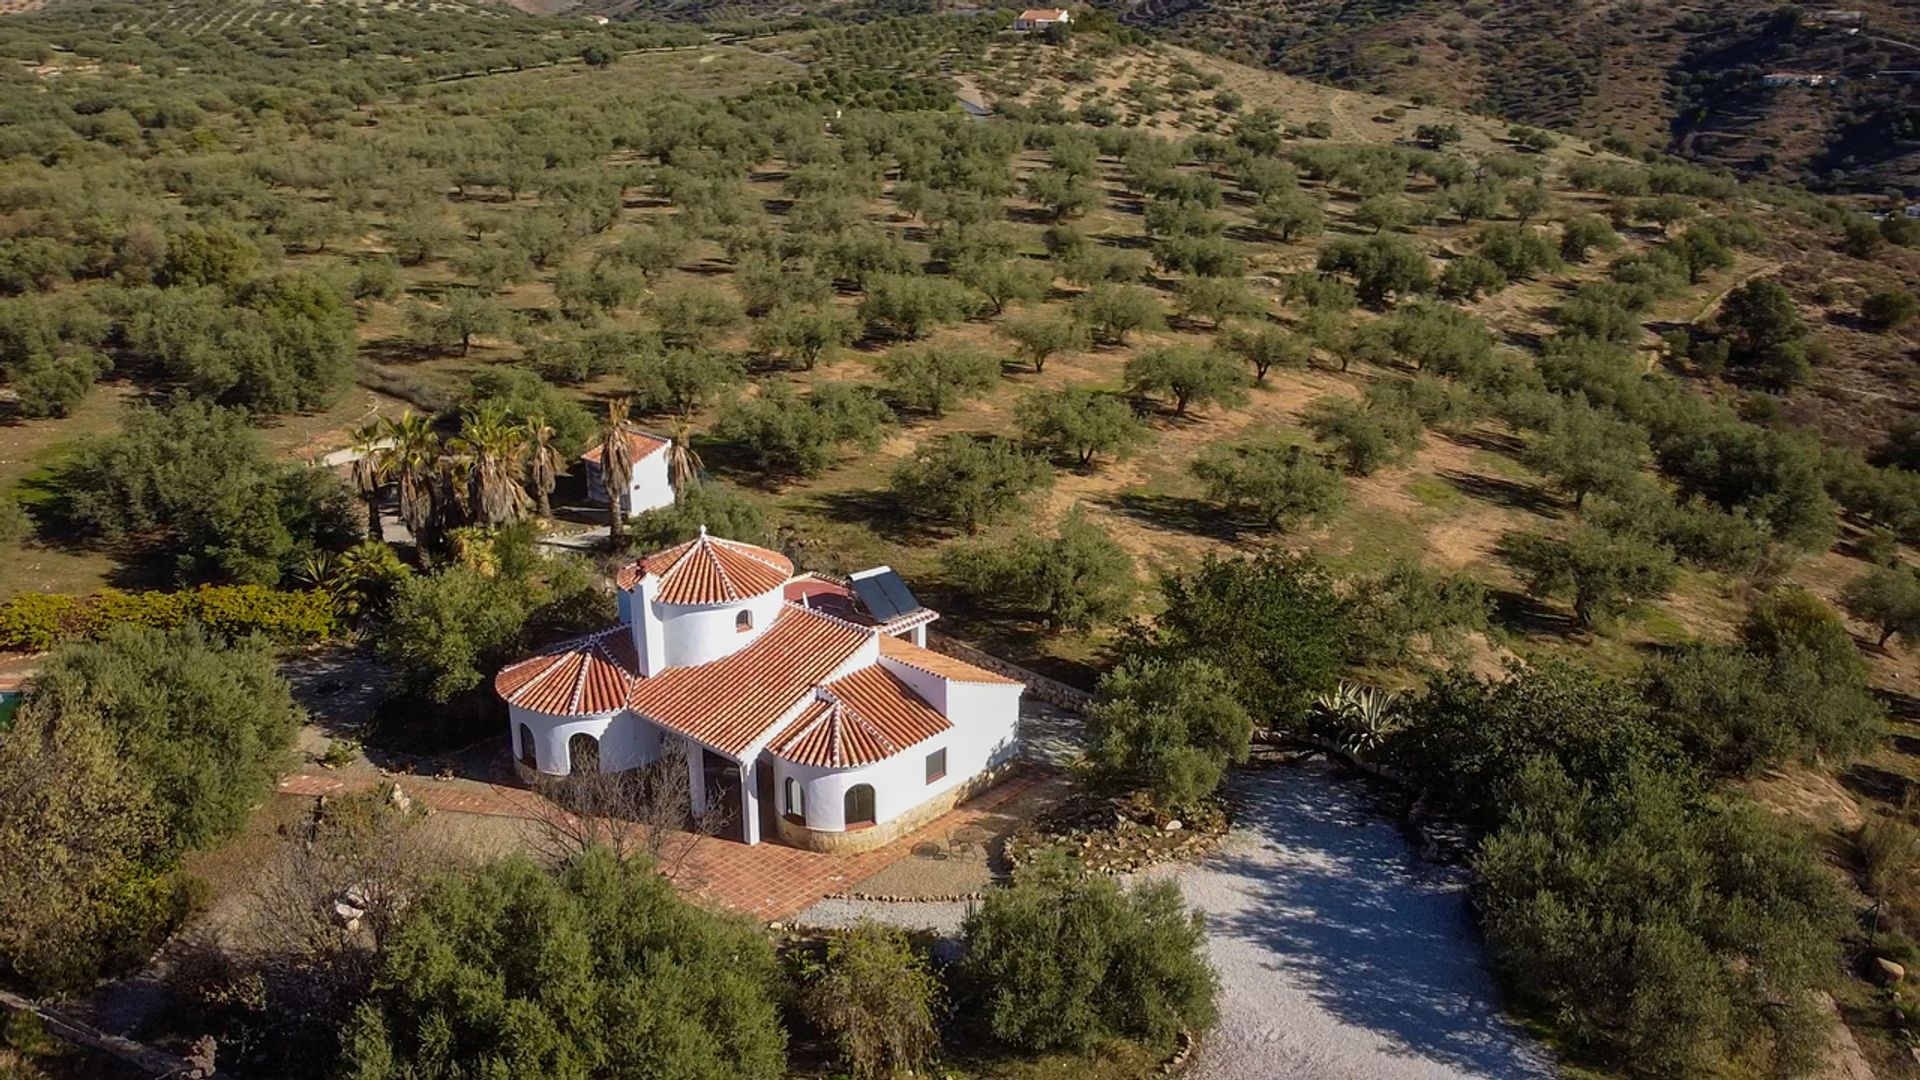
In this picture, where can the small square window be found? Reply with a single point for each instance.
(936, 765)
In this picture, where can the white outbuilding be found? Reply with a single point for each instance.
(1041, 18)
(648, 486)
(807, 708)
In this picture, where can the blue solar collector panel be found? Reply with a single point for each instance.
(883, 594)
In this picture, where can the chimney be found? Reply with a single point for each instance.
(649, 636)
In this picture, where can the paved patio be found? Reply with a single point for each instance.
(768, 881)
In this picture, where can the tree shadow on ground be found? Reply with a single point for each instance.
(1524, 614)
(1874, 782)
(1346, 918)
(1178, 513)
(1493, 442)
(876, 509)
(1500, 492)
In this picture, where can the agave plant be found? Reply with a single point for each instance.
(1359, 718)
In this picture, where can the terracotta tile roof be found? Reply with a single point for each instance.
(837, 600)
(862, 718)
(592, 674)
(933, 663)
(730, 702)
(709, 570)
(1033, 14)
(643, 444)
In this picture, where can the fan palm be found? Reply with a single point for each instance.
(412, 459)
(616, 465)
(494, 449)
(367, 473)
(683, 464)
(545, 463)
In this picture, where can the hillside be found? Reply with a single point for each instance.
(1519, 397)
(1683, 77)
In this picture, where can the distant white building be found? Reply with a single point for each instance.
(1041, 18)
(808, 709)
(648, 488)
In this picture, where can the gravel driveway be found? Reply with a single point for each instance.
(1341, 957)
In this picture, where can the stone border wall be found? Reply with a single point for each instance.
(139, 1055)
(1051, 691)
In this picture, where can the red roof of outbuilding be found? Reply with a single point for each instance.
(709, 570)
(642, 443)
(731, 702)
(867, 716)
(592, 674)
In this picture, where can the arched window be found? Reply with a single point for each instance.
(796, 800)
(859, 805)
(527, 755)
(583, 751)
(743, 622)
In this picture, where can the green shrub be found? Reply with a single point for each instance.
(206, 725)
(877, 999)
(34, 622)
(514, 971)
(1057, 962)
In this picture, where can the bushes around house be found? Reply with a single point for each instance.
(1059, 960)
(34, 622)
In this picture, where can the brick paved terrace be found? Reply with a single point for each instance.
(768, 881)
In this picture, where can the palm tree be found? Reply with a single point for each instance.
(545, 463)
(495, 450)
(616, 465)
(683, 464)
(413, 459)
(367, 473)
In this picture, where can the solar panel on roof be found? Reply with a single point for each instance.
(883, 594)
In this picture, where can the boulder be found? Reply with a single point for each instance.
(1174, 826)
(1886, 972)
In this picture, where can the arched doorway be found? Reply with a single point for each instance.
(583, 754)
(859, 805)
(527, 755)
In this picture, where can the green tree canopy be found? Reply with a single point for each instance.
(1078, 578)
(194, 485)
(1079, 424)
(1055, 960)
(1274, 484)
(1275, 624)
(967, 480)
(514, 971)
(935, 378)
(1188, 376)
(204, 725)
(1169, 727)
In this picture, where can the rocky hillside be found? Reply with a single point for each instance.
(1688, 77)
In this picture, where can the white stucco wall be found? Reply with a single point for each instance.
(984, 717)
(649, 489)
(626, 741)
(647, 486)
(702, 633)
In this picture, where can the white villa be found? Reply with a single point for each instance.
(1041, 18)
(648, 488)
(809, 709)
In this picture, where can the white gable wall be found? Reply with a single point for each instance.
(985, 720)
